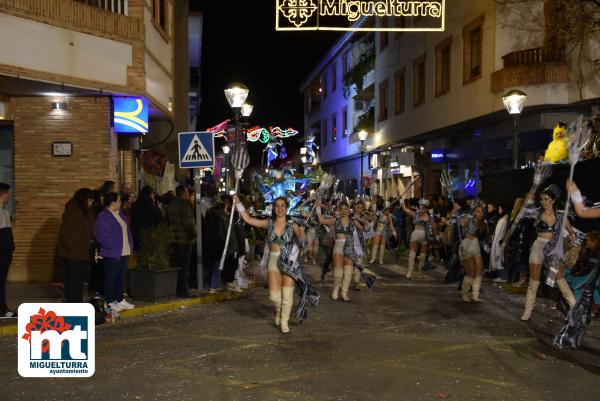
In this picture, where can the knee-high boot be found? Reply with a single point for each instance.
(411, 263)
(287, 300)
(465, 288)
(346, 279)
(275, 298)
(373, 252)
(566, 291)
(338, 273)
(381, 252)
(530, 299)
(476, 288)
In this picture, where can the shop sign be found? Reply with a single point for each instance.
(438, 155)
(340, 15)
(130, 115)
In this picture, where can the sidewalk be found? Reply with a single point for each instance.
(18, 293)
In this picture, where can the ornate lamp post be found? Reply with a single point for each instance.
(362, 135)
(514, 101)
(236, 95)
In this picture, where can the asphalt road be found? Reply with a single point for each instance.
(406, 340)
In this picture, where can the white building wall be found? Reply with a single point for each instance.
(47, 48)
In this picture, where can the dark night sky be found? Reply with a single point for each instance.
(240, 44)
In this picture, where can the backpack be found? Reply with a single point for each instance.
(100, 307)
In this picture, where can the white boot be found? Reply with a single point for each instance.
(346, 280)
(411, 263)
(275, 297)
(466, 287)
(287, 300)
(373, 253)
(564, 288)
(530, 299)
(476, 288)
(381, 252)
(356, 280)
(338, 273)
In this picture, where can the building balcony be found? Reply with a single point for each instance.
(105, 18)
(542, 65)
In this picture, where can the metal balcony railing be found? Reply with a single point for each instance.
(115, 6)
(536, 56)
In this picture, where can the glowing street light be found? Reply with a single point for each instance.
(514, 101)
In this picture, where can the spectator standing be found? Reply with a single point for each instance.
(7, 247)
(183, 222)
(76, 242)
(144, 213)
(116, 244)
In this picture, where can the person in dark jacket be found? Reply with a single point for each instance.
(183, 222)
(7, 247)
(516, 252)
(218, 220)
(76, 242)
(144, 213)
(115, 243)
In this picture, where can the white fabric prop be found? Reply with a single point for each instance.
(580, 133)
(240, 161)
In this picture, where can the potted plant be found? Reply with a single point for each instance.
(154, 278)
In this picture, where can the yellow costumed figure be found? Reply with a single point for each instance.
(558, 149)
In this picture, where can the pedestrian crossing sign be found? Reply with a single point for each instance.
(196, 149)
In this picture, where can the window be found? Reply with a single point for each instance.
(324, 85)
(344, 64)
(400, 22)
(324, 132)
(399, 90)
(442, 67)
(333, 76)
(159, 14)
(344, 122)
(473, 50)
(333, 127)
(383, 100)
(419, 81)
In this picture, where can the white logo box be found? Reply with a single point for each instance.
(75, 358)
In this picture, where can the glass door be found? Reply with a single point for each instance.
(7, 162)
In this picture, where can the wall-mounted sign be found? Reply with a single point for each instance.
(130, 115)
(340, 15)
(62, 149)
(438, 155)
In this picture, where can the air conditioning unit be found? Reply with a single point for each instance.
(360, 105)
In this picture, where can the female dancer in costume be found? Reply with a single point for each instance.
(418, 238)
(384, 226)
(284, 272)
(344, 250)
(362, 218)
(469, 253)
(548, 226)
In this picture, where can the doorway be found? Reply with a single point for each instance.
(7, 162)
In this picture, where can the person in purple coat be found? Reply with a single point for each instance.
(115, 243)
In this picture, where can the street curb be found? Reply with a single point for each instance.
(12, 329)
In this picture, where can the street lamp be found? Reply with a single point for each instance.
(236, 95)
(226, 150)
(514, 101)
(246, 110)
(362, 135)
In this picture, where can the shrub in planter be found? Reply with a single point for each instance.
(154, 278)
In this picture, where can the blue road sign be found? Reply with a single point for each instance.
(196, 149)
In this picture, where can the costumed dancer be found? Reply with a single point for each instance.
(588, 265)
(469, 253)
(419, 237)
(548, 227)
(384, 227)
(344, 250)
(284, 271)
(362, 218)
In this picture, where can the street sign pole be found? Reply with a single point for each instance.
(199, 266)
(197, 151)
